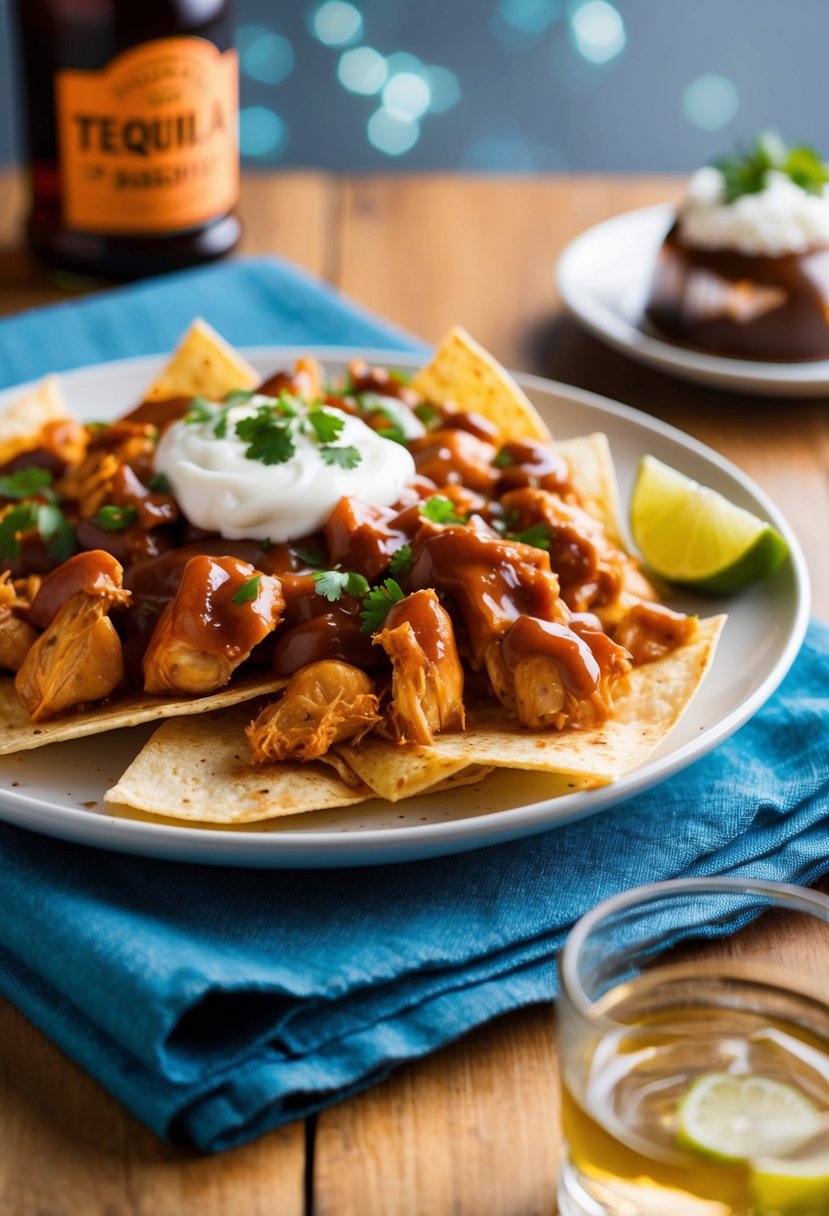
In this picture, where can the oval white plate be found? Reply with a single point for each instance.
(59, 789)
(603, 278)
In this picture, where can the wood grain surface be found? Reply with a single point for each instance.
(473, 1130)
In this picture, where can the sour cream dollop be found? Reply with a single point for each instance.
(782, 218)
(222, 490)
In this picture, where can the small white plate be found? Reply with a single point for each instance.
(58, 790)
(603, 278)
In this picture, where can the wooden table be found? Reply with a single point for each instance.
(473, 1130)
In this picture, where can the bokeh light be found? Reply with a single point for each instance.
(391, 134)
(710, 101)
(337, 23)
(444, 89)
(262, 133)
(517, 24)
(263, 54)
(362, 70)
(407, 95)
(597, 31)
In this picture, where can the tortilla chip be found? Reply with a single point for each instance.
(658, 695)
(203, 364)
(198, 768)
(594, 477)
(19, 733)
(414, 768)
(22, 422)
(461, 371)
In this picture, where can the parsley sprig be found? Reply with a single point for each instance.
(26, 483)
(744, 172)
(248, 590)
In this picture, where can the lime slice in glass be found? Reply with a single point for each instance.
(737, 1118)
(790, 1188)
(690, 534)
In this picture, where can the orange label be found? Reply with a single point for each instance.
(149, 143)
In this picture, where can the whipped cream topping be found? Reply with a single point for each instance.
(780, 219)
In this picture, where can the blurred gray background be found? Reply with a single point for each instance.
(512, 85)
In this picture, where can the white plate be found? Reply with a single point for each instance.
(603, 278)
(59, 789)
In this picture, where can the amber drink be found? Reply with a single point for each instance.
(696, 1083)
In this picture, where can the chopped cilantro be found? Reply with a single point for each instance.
(267, 436)
(503, 460)
(346, 457)
(25, 483)
(14, 524)
(399, 376)
(333, 584)
(393, 432)
(286, 405)
(160, 483)
(237, 396)
(48, 519)
(441, 510)
(327, 426)
(539, 536)
(745, 171)
(428, 414)
(148, 609)
(220, 427)
(377, 604)
(111, 518)
(201, 410)
(248, 590)
(400, 562)
(311, 554)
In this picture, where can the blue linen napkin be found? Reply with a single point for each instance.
(216, 1003)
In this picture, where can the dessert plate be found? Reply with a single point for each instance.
(603, 278)
(59, 790)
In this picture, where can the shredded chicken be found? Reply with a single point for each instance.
(211, 625)
(324, 703)
(90, 483)
(427, 682)
(78, 658)
(17, 636)
(554, 675)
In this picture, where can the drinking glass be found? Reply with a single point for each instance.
(696, 1082)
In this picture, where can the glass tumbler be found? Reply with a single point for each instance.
(696, 1080)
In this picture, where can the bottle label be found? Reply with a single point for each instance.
(149, 143)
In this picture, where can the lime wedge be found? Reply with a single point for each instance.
(731, 1118)
(691, 534)
(791, 1188)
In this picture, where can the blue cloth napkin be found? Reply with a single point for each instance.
(218, 1003)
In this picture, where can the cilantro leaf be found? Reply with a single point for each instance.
(311, 554)
(428, 414)
(25, 483)
(14, 524)
(539, 536)
(57, 532)
(401, 561)
(201, 410)
(248, 590)
(345, 457)
(112, 518)
(220, 426)
(268, 437)
(745, 172)
(441, 510)
(333, 584)
(160, 483)
(327, 426)
(503, 460)
(378, 603)
(399, 376)
(237, 396)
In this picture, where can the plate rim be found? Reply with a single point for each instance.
(796, 378)
(336, 848)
